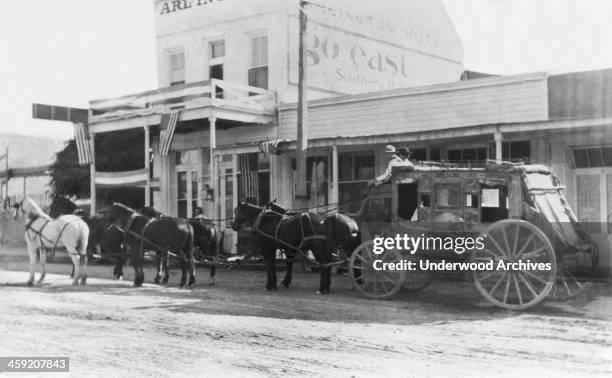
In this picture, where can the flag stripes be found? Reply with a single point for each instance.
(249, 178)
(81, 137)
(167, 126)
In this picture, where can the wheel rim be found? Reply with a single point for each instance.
(572, 281)
(370, 282)
(511, 241)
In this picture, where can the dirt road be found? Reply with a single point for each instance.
(109, 328)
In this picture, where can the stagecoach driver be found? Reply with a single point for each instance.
(394, 161)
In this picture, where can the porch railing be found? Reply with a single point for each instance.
(217, 93)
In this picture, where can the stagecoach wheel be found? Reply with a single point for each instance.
(571, 280)
(373, 283)
(516, 287)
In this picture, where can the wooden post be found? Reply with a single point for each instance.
(335, 194)
(498, 146)
(212, 144)
(302, 110)
(147, 161)
(92, 174)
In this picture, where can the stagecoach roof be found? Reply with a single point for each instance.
(490, 166)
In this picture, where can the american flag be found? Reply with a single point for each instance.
(167, 126)
(248, 177)
(81, 137)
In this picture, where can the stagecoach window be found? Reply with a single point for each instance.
(494, 203)
(447, 196)
(471, 201)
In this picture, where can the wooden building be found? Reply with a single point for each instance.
(229, 71)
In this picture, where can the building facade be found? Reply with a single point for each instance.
(375, 77)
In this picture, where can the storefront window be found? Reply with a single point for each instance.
(592, 157)
(355, 170)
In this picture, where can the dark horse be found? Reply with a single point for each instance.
(273, 228)
(207, 238)
(163, 235)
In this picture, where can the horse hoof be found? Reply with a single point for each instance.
(137, 284)
(286, 285)
(75, 282)
(164, 281)
(322, 292)
(156, 280)
(30, 283)
(84, 281)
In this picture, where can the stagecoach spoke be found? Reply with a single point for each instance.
(534, 276)
(499, 281)
(489, 274)
(363, 259)
(388, 277)
(566, 273)
(533, 292)
(506, 241)
(518, 289)
(360, 278)
(518, 231)
(534, 253)
(503, 254)
(569, 292)
(507, 289)
(375, 285)
(525, 245)
(487, 250)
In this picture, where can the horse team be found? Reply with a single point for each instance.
(121, 232)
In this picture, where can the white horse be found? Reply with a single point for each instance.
(68, 231)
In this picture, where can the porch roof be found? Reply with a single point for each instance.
(201, 100)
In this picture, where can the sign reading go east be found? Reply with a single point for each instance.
(171, 6)
(345, 62)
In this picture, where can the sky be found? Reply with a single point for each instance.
(67, 52)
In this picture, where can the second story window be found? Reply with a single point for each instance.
(258, 71)
(177, 68)
(215, 63)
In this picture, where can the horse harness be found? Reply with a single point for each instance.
(304, 220)
(40, 235)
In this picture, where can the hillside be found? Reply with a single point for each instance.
(28, 151)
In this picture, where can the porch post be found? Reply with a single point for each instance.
(211, 164)
(92, 174)
(147, 161)
(335, 174)
(498, 145)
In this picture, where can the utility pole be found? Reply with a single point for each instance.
(302, 110)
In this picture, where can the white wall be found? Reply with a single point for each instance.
(368, 36)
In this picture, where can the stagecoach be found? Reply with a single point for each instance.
(518, 210)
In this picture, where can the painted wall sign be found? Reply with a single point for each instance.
(346, 62)
(171, 6)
